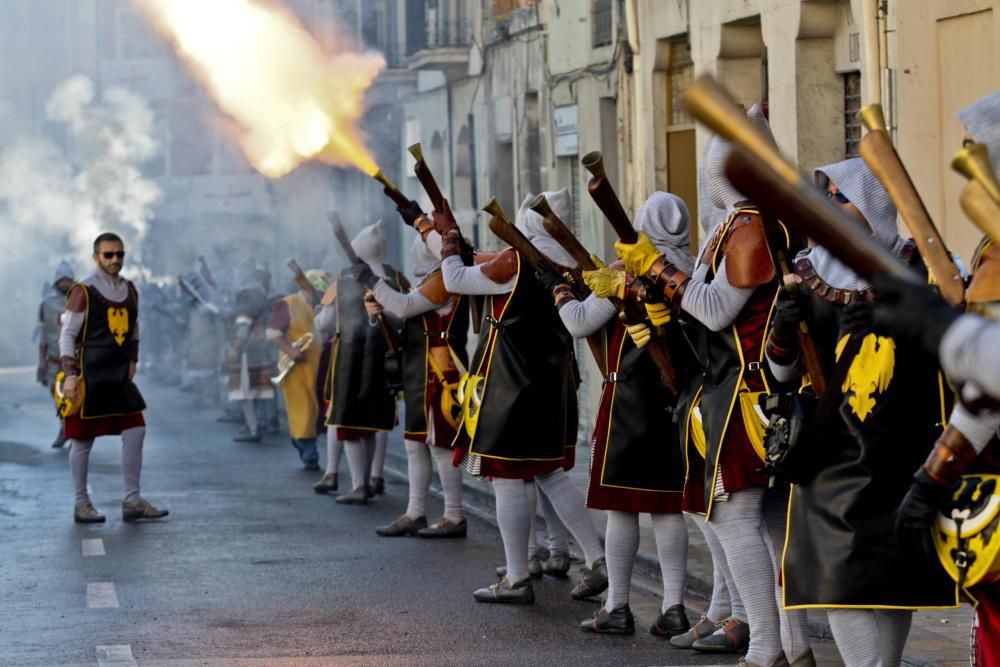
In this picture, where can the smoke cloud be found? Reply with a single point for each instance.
(54, 200)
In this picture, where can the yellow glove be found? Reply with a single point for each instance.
(605, 282)
(639, 334)
(638, 256)
(659, 313)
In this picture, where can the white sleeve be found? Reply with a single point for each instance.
(461, 279)
(715, 304)
(970, 352)
(785, 372)
(403, 305)
(978, 429)
(582, 318)
(71, 326)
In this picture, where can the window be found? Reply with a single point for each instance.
(681, 73)
(852, 104)
(601, 20)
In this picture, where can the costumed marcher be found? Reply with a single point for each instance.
(435, 326)
(731, 293)
(291, 329)
(99, 353)
(957, 476)
(50, 314)
(249, 358)
(360, 403)
(520, 414)
(636, 461)
(842, 553)
(723, 628)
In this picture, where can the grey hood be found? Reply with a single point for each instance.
(531, 225)
(665, 219)
(858, 183)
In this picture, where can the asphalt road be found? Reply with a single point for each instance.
(252, 567)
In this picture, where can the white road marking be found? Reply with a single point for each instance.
(13, 370)
(115, 655)
(94, 547)
(101, 595)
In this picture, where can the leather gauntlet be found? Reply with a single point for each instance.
(669, 280)
(561, 294)
(952, 455)
(69, 365)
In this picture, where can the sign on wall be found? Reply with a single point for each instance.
(564, 119)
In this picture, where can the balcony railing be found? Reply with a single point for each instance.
(442, 34)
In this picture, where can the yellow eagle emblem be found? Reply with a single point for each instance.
(870, 373)
(118, 323)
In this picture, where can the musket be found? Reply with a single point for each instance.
(391, 339)
(604, 196)
(206, 273)
(501, 225)
(465, 250)
(194, 294)
(980, 198)
(390, 190)
(758, 170)
(301, 280)
(630, 310)
(881, 157)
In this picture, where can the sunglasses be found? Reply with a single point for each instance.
(120, 254)
(839, 196)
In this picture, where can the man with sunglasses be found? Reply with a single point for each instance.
(99, 350)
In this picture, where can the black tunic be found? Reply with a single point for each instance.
(842, 550)
(105, 355)
(356, 387)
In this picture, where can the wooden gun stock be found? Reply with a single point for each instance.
(206, 273)
(426, 178)
(501, 225)
(632, 311)
(301, 280)
(390, 190)
(805, 208)
(604, 196)
(881, 157)
(340, 234)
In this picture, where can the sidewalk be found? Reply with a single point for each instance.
(939, 638)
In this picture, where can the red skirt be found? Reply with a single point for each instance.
(496, 468)
(87, 429)
(618, 499)
(987, 648)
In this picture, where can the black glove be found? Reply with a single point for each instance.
(410, 212)
(363, 274)
(857, 317)
(789, 310)
(911, 312)
(917, 513)
(550, 279)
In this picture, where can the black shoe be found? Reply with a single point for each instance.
(593, 582)
(230, 418)
(378, 486)
(60, 439)
(358, 496)
(617, 622)
(519, 592)
(672, 622)
(141, 510)
(444, 529)
(311, 466)
(557, 566)
(732, 637)
(404, 526)
(246, 435)
(326, 484)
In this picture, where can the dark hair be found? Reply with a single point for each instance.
(107, 237)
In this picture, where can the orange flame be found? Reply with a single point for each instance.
(291, 101)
